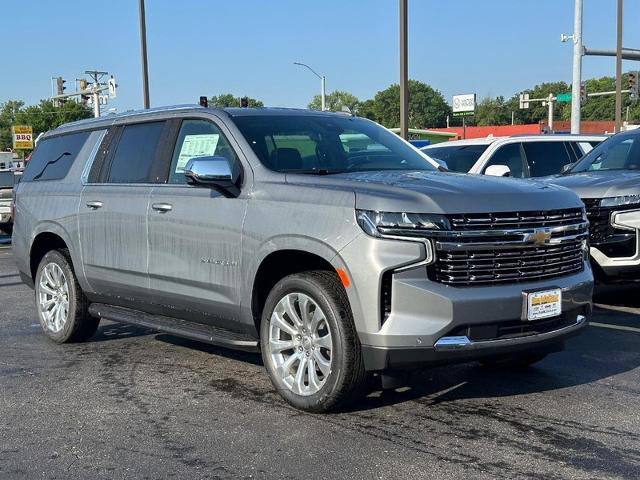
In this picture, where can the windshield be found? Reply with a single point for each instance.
(620, 152)
(327, 144)
(459, 158)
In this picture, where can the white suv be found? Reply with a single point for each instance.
(517, 156)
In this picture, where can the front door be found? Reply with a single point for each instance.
(195, 236)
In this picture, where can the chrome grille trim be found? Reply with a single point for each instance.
(497, 254)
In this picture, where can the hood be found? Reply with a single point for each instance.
(600, 184)
(439, 192)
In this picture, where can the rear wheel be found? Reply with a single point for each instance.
(309, 344)
(519, 360)
(61, 305)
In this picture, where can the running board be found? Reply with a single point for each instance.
(175, 326)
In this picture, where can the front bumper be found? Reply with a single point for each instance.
(458, 349)
(617, 258)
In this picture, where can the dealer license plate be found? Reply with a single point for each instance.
(543, 304)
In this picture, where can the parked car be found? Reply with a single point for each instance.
(258, 229)
(6, 199)
(518, 156)
(608, 181)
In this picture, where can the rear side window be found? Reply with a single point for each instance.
(546, 158)
(53, 157)
(133, 160)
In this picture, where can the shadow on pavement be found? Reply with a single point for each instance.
(118, 331)
(594, 355)
(248, 357)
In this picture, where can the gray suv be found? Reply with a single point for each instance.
(608, 181)
(322, 240)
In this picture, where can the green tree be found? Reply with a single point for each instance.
(367, 109)
(427, 107)
(8, 112)
(41, 117)
(225, 100)
(492, 111)
(335, 101)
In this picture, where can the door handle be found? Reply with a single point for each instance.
(162, 207)
(94, 205)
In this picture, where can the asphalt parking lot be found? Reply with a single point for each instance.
(136, 404)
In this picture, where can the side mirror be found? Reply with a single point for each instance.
(498, 171)
(567, 167)
(215, 172)
(442, 163)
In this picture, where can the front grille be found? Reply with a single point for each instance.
(509, 247)
(613, 242)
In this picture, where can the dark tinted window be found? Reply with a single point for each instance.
(546, 158)
(53, 157)
(327, 144)
(511, 156)
(458, 159)
(134, 156)
(197, 138)
(6, 179)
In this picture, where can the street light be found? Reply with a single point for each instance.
(321, 77)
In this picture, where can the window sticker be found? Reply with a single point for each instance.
(196, 146)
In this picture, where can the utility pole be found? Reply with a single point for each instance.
(96, 76)
(404, 72)
(619, 71)
(550, 115)
(577, 68)
(143, 53)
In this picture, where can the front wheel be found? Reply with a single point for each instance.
(61, 305)
(309, 343)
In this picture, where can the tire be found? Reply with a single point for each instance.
(515, 361)
(320, 386)
(56, 284)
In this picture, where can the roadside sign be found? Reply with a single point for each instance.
(22, 137)
(464, 105)
(563, 97)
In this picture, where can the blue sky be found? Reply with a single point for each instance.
(247, 47)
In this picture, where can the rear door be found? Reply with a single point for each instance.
(195, 235)
(113, 212)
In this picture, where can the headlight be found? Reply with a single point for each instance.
(620, 201)
(400, 224)
(403, 226)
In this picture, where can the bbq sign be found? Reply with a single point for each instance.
(22, 137)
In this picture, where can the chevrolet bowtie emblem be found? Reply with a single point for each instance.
(539, 236)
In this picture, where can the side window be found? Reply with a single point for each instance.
(511, 156)
(546, 158)
(197, 138)
(53, 157)
(133, 160)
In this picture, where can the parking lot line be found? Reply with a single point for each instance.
(615, 327)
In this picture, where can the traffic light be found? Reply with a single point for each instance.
(583, 93)
(60, 84)
(244, 102)
(84, 99)
(633, 85)
(204, 101)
